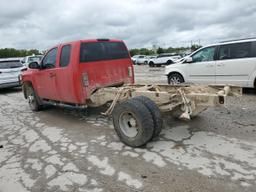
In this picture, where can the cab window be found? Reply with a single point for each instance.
(206, 54)
(65, 55)
(49, 60)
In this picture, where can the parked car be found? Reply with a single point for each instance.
(142, 59)
(138, 59)
(10, 71)
(163, 59)
(149, 57)
(29, 59)
(232, 62)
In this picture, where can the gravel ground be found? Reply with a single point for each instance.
(61, 149)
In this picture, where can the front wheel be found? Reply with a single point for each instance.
(175, 79)
(32, 99)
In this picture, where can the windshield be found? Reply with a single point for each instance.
(98, 51)
(34, 59)
(10, 64)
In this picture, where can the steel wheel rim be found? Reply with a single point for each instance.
(128, 124)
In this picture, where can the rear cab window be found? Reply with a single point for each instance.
(99, 51)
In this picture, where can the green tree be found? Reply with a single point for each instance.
(160, 50)
(195, 47)
(11, 52)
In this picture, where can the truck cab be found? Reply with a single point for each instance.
(70, 72)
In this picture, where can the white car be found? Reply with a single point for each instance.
(232, 62)
(149, 57)
(29, 59)
(139, 59)
(163, 59)
(10, 70)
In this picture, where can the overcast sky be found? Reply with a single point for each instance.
(140, 23)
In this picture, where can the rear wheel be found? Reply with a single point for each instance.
(32, 99)
(155, 112)
(175, 78)
(151, 64)
(133, 123)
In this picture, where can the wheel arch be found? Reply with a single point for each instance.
(252, 80)
(176, 72)
(170, 61)
(25, 86)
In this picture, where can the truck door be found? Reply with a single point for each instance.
(45, 78)
(64, 76)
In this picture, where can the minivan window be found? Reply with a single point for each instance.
(235, 51)
(49, 60)
(10, 64)
(65, 55)
(98, 51)
(205, 54)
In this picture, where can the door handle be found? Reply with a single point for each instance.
(220, 64)
(52, 75)
(210, 65)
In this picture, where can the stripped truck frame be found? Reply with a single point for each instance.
(92, 73)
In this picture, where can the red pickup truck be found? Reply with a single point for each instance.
(95, 72)
(71, 72)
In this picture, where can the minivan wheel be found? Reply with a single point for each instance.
(32, 99)
(175, 78)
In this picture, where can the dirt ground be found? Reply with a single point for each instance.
(64, 149)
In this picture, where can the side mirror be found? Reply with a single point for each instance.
(189, 60)
(33, 65)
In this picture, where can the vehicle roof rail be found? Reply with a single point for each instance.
(238, 39)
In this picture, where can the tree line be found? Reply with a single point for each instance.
(159, 50)
(11, 52)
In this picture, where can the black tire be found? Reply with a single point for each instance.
(143, 120)
(175, 79)
(155, 112)
(151, 64)
(169, 62)
(33, 99)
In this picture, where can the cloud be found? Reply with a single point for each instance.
(140, 23)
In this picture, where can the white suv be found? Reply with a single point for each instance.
(29, 59)
(10, 70)
(163, 59)
(232, 62)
